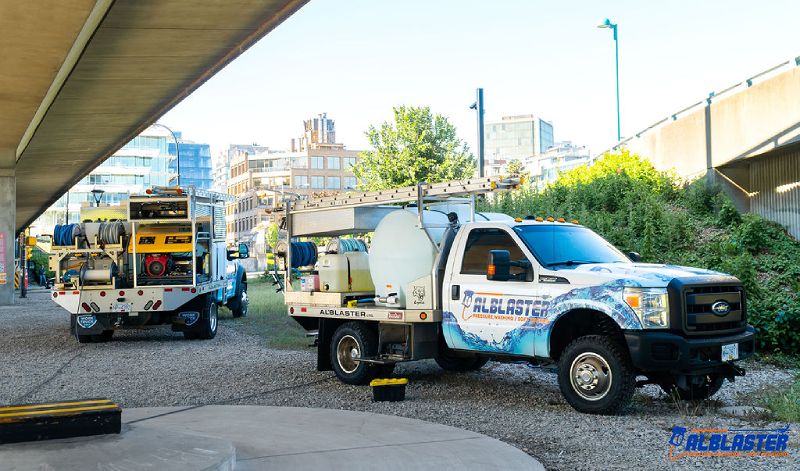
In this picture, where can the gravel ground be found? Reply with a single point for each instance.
(520, 405)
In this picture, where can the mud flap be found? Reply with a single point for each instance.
(326, 329)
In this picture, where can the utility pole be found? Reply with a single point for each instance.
(478, 106)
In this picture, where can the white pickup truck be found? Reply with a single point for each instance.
(547, 291)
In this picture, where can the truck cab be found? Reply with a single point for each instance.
(556, 292)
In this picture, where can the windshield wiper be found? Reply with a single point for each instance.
(569, 263)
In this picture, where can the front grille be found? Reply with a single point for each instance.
(699, 316)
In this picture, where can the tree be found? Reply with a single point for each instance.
(419, 146)
(516, 168)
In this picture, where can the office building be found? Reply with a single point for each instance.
(222, 164)
(316, 165)
(562, 157)
(195, 163)
(520, 137)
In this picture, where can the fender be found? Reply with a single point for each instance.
(236, 281)
(605, 298)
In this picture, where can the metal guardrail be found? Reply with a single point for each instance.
(713, 96)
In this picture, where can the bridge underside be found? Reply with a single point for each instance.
(134, 60)
(80, 78)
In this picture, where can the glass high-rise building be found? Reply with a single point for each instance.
(195, 160)
(521, 137)
(140, 164)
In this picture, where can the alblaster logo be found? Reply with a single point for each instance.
(707, 443)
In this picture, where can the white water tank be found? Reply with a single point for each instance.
(401, 252)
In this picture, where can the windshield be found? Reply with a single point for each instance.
(558, 246)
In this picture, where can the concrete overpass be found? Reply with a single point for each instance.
(746, 137)
(80, 78)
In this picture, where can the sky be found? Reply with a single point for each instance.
(356, 59)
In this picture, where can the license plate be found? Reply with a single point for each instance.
(121, 307)
(730, 352)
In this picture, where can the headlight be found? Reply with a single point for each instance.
(650, 305)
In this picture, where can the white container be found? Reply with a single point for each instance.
(401, 252)
(333, 273)
(345, 273)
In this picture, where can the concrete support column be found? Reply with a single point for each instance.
(8, 212)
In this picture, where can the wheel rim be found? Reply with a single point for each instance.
(590, 376)
(212, 317)
(346, 353)
(244, 302)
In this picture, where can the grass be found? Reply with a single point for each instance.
(268, 319)
(785, 404)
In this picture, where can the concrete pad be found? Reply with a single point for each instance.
(259, 437)
(306, 438)
(138, 447)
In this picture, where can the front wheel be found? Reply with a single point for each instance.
(595, 375)
(242, 302)
(695, 392)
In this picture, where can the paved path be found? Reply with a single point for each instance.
(290, 438)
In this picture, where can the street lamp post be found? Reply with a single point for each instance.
(478, 106)
(613, 26)
(177, 151)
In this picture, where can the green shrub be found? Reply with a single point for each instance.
(637, 208)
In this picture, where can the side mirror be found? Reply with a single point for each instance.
(499, 268)
(634, 256)
(243, 252)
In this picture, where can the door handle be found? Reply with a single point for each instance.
(455, 292)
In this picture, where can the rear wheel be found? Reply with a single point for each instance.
(595, 375)
(206, 327)
(350, 342)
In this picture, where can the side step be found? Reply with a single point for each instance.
(31, 422)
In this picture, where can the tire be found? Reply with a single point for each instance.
(450, 361)
(355, 339)
(84, 338)
(595, 375)
(239, 308)
(209, 319)
(696, 392)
